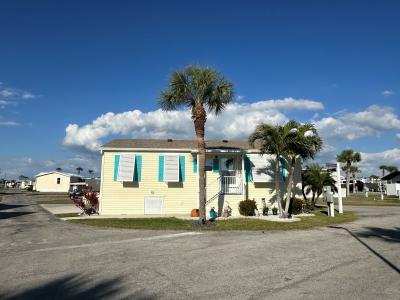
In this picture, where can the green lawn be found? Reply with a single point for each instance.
(67, 215)
(52, 201)
(370, 202)
(320, 219)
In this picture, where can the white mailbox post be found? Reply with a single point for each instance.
(329, 201)
(339, 188)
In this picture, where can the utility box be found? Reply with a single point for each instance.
(328, 196)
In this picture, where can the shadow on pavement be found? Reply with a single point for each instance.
(369, 248)
(9, 206)
(76, 287)
(13, 214)
(388, 235)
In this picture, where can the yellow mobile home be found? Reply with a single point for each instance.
(55, 181)
(160, 176)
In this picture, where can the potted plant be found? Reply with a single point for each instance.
(274, 211)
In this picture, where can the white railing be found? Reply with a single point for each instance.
(231, 185)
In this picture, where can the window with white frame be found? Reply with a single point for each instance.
(171, 168)
(262, 170)
(126, 167)
(227, 164)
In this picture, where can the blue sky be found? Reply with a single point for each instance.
(78, 60)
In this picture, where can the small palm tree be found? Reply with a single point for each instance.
(201, 90)
(305, 144)
(58, 169)
(314, 180)
(79, 170)
(353, 171)
(348, 157)
(274, 140)
(90, 171)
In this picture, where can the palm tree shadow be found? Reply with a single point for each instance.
(76, 287)
(388, 235)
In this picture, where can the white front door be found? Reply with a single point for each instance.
(153, 205)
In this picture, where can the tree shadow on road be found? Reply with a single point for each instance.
(4, 206)
(386, 261)
(77, 287)
(13, 214)
(388, 235)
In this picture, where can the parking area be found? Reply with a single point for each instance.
(44, 257)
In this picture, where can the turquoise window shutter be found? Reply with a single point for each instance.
(215, 165)
(283, 168)
(161, 168)
(181, 168)
(195, 166)
(138, 168)
(116, 163)
(247, 168)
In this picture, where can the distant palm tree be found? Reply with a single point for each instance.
(353, 171)
(391, 169)
(79, 170)
(314, 180)
(348, 157)
(90, 171)
(201, 90)
(58, 169)
(383, 168)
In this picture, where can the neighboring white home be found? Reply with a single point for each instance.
(55, 181)
(392, 183)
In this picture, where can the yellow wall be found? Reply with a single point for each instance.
(128, 197)
(48, 183)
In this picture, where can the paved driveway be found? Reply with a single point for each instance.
(45, 258)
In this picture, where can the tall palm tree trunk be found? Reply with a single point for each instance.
(354, 182)
(290, 186)
(199, 117)
(277, 184)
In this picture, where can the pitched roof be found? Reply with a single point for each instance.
(391, 175)
(61, 173)
(175, 144)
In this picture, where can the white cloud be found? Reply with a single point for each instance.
(387, 93)
(239, 97)
(7, 93)
(15, 93)
(371, 161)
(12, 167)
(370, 122)
(9, 123)
(5, 103)
(236, 122)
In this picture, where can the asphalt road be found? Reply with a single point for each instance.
(42, 257)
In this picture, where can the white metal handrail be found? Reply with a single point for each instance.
(231, 185)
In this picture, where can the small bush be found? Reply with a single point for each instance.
(247, 207)
(265, 211)
(297, 205)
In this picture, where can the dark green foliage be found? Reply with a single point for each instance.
(247, 207)
(265, 211)
(274, 211)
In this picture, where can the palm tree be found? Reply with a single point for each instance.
(314, 180)
(79, 170)
(58, 169)
(353, 171)
(391, 169)
(348, 157)
(305, 144)
(383, 168)
(275, 140)
(201, 90)
(90, 171)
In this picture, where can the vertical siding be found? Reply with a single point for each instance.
(128, 197)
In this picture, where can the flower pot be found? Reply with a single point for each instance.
(194, 213)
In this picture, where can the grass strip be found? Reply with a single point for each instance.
(241, 224)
